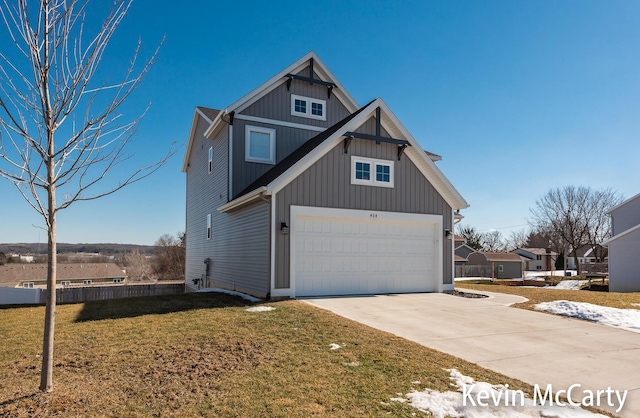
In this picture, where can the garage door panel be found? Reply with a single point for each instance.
(352, 254)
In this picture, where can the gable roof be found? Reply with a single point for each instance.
(320, 69)
(502, 256)
(290, 168)
(16, 273)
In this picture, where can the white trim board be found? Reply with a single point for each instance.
(279, 123)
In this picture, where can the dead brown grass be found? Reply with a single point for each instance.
(538, 295)
(205, 355)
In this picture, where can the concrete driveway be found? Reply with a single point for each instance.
(534, 347)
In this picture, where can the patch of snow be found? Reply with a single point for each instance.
(334, 346)
(570, 284)
(230, 292)
(260, 309)
(451, 404)
(462, 279)
(628, 319)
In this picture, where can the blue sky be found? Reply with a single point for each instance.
(517, 96)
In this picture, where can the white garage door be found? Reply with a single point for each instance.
(341, 252)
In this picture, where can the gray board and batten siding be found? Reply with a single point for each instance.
(239, 248)
(327, 183)
(276, 105)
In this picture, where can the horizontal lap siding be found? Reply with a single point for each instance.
(327, 183)
(239, 245)
(205, 192)
(243, 250)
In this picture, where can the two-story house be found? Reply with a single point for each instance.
(297, 190)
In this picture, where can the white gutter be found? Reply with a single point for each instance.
(249, 197)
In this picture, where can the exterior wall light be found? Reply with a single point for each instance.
(284, 228)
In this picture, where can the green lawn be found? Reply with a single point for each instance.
(538, 295)
(205, 355)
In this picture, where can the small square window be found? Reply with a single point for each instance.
(500, 268)
(383, 173)
(301, 106)
(65, 282)
(363, 171)
(260, 144)
(316, 109)
(28, 285)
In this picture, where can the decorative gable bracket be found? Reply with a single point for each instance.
(349, 136)
(311, 79)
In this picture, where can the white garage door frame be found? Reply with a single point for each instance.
(356, 214)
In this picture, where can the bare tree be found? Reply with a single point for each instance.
(169, 260)
(61, 131)
(574, 216)
(473, 238)
(492, 242)
(599, 223)
(517, 239)
(138, 266)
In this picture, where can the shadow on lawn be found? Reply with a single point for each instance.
(133, 307)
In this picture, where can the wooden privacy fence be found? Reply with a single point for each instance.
(89, 293)
(473, 271)
(19, 296)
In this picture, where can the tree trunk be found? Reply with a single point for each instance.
(46, 376)
(575, 257)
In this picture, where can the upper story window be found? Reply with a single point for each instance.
(371, 172)
(210, 159)
(538, 257)
(28, 285)
(260, 144)
(65, 283)
(307, 107)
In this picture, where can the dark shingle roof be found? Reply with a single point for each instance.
(299, 153)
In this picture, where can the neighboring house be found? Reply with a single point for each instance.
(586, 256)
(538, 258)
(624, 246)
(296, 190)
(34, 275)
(500, 265)
(464, 250)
